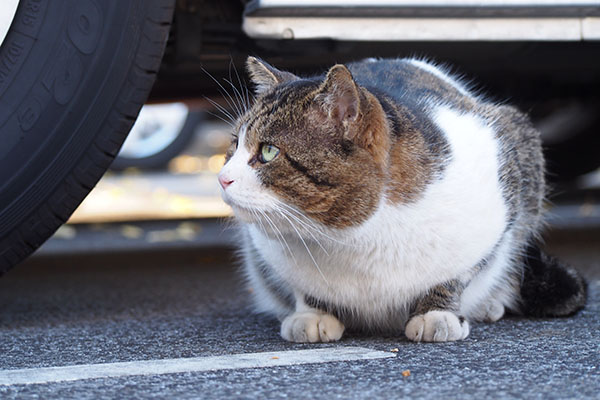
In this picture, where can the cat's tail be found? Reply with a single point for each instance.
(550, 287)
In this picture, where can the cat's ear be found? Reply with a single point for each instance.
(360, 115)
(265, 76)
(339, 95)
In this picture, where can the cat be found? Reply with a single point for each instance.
(384, 196)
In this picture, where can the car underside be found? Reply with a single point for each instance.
(549, 72)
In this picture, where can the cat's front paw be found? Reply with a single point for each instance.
(436, 326)
(303, 327)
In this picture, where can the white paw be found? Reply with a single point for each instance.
(436, 326)
(303, 327)
(494, 311)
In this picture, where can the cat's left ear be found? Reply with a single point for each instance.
(265, 76)
(357, 112)
(339, 96)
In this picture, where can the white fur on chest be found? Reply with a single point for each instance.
(403, 250)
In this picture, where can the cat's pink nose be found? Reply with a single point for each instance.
(224, 181)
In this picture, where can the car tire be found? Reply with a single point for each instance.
(73, 77)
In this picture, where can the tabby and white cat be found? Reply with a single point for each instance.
(385, 196)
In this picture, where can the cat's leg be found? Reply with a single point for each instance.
(270, 294)
(309, 324)
(495, 284)
(435, 317)
(493, 310)
(484, 299)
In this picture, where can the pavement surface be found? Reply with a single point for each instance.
(87, 310)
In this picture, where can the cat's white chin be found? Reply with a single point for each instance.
(244, 215)
(240, 212)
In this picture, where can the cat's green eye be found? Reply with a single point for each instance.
(268, 152)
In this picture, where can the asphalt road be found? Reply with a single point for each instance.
(185, 305)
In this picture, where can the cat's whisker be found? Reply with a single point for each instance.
(247, 93)
(250, 94)
(239, 100)
(280, 237)
(226, 95)
(260, 219)
(238, 92)
(221, 109)
(300, 215)
(306, 222)
(228, 119)
(221, 118)
(278, 207)
(237, 97)
(306, 247)
(306, 227)
(243, 87)
(263, 216)
(310, 228)
(236, 107)
(260, 223)
(264, 228)
(229, 224)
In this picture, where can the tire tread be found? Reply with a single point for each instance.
(62, 202)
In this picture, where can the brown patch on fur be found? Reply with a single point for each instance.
(340, 149)
(418, 150)
(333, 179)
(411, 161)
(357, 112)
(410, 169)
(374, 129)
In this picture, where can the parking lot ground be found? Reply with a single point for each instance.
(176, 323)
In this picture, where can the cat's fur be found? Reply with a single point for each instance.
(399, 202)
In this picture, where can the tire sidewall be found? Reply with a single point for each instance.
(73, 76)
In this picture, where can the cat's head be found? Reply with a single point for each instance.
(317, 145)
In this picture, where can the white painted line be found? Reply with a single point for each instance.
(32, 376)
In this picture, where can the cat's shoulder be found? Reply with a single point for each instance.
(412, 77)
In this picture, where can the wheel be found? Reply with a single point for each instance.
(73, 77)
(161, 133)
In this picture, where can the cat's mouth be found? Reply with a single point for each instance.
(271, 214)
(249, 208)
